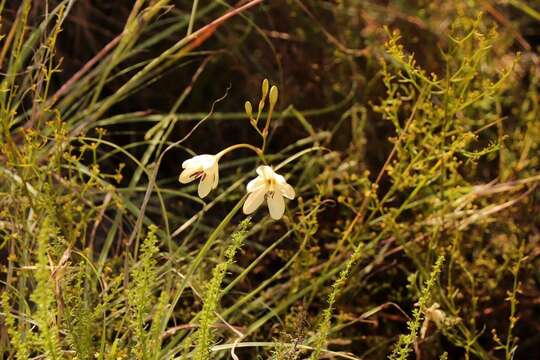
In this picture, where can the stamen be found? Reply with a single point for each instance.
(198, 174)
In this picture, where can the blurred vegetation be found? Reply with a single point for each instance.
(414, 127)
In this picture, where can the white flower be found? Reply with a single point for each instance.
(204, 167)
(270, 186)
(434, 314)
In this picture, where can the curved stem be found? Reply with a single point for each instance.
(258, 151)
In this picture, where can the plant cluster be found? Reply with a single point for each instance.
(410, 131)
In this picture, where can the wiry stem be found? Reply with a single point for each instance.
(258, 151)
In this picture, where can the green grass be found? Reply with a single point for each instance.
(410, 132)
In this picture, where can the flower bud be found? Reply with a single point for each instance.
(265, 86)
(273, 96)
(249, 109)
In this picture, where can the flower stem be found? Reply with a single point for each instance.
(258, 151)
(265, 131)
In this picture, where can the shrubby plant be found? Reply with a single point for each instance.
(398, 161)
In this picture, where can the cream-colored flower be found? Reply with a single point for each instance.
(204, 167)
(434, 314)
(270, 186)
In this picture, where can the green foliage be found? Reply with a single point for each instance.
(18, 335)
(337, 287)
(79, 316)
(213, 293)
(141, 299)
(405, 343)
(47, 339)
(409, 131)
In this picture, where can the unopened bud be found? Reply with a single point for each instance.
(273, 96)
(265, 86)
(249, 109)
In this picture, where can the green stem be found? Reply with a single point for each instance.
(525, 8)
(200, 256)
(192, 17)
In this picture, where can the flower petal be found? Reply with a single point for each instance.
(205, 185)
(253, 201)
(208, 161)
(259, 170)
(215, 175)
(203, 161)
(191, 163)
(255, 184)
(286, 190)
(186, 176)
(279, 179)
(265, 171)
(276, 205)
